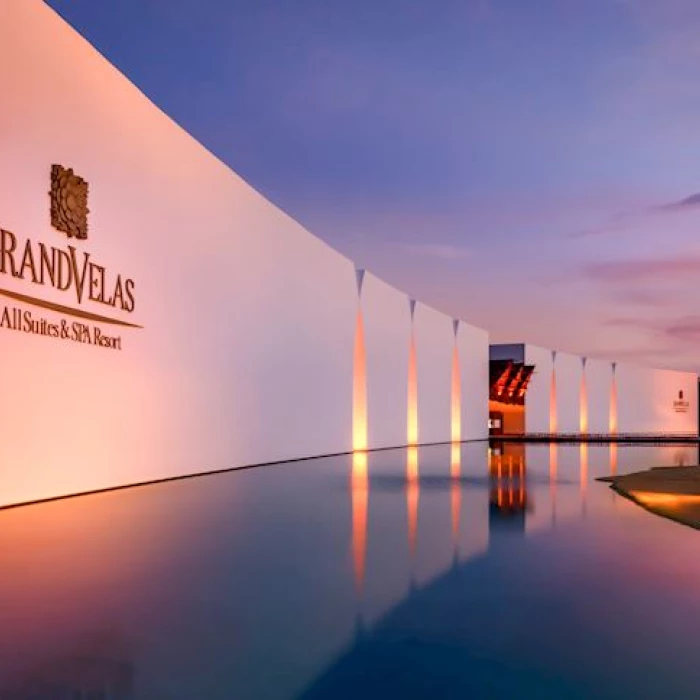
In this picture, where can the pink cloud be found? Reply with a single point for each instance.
(627, 270)
(684, 330)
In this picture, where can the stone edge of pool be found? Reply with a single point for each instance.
(669, 492)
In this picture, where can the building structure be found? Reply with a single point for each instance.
(160, 318)
(569, 394)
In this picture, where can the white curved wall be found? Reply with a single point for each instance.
(648, 400)
(246, 350)
(474, 375)
(568, 371)
(434, 345)
(538, 395)
(387, 337)
(598, 384)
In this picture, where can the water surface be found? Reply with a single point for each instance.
(432, 572)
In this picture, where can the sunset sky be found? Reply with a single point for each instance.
(530, 166)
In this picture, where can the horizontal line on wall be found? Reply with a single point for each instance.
(78, 313)
(213, 472)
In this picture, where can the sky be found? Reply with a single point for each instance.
(532, 167)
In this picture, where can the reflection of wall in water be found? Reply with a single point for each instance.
(99, 672)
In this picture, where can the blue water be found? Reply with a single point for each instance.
(425, 574)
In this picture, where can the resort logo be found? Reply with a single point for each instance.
(69, 195)
(65, 270)
(681, 405)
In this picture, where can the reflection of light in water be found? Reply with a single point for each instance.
(412, 426)
(613, 458)
(359, 491)
(359, 388)
(455, 490)
(507, 474)
(456, 397)
(583, 456)
(69, 598)
(412, 494)
(522, 480)
(650, 498)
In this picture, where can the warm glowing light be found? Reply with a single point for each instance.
(359, 388)
(456, 397)
(359, 493)
(455, 489)
(412, 422)
(412, 495)
(613, 405)
(583, 422)
(650, 498)
(553, 402)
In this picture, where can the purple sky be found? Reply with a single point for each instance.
(533, 167)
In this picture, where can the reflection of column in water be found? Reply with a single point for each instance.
(613, 468)
(455, 492)
(507, 472)
(508, 500)
(583, 457)
(553, 476)
(521, 472)
(412, 495)
(359, 493)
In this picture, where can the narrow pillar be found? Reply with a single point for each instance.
(456, 392)
(553, 396)
(359, 384)
(583, 408)
(412, 412)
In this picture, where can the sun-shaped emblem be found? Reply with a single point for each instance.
(69, 197)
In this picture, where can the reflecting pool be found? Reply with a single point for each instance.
(442, 571)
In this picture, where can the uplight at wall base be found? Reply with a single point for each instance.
(412, 412)
(456, 418)
(553, 396)
(583, 407)
(612, 427)
(359, 387)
